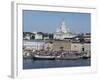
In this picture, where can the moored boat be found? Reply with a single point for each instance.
(45, 57)
(68, 57)
(27, 57)
(85, 57)
(65, 56)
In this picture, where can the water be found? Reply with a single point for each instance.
(31, 64)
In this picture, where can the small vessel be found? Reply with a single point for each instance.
(60, 57)
(67, 57)
(45, 57)
(27, 55)
(85, 57)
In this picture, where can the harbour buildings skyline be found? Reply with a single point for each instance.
(62, 32)
(62, 38)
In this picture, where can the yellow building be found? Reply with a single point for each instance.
(61, 45)
(76, 47)
(80, 47)
(58, 45)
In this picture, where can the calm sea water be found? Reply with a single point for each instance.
(31, 64)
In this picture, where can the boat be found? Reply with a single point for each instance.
(45, 57)
(68, 57)
(60, 57)
(27, 55)
(85, 57)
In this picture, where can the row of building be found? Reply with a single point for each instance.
(52, 45)
(62, 33)
(36, 35)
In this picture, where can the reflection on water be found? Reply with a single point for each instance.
(36, 64)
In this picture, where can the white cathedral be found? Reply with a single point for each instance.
(63, 32)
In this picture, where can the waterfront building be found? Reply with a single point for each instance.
(63, 32)
(48, 46)
(76, 47)
(87, 48)
(27, 35)
(58, 45)
(87, 37)
(34, 44)
(39, 35)
(79, 47)
(45, 36)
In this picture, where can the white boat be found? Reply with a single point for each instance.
(45, 57)
(67, 57)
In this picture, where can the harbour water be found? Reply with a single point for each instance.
(38, 64)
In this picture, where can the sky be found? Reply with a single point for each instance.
(48, 21)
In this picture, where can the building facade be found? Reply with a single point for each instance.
(79, 47)
(61, 45)
(33, 44)
(38, 35)
(87, 37)
(56, 45)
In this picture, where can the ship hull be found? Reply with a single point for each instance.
(44, 58)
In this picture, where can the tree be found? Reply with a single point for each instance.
(24, 34)
(51, 36)
(32, 37)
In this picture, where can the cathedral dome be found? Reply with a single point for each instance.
(63, 28)
(63, 32)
